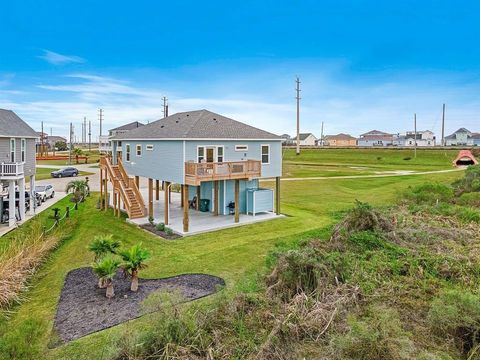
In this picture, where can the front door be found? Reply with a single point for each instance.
(210, 155)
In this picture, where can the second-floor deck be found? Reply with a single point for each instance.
(11, 170)
(195, 173)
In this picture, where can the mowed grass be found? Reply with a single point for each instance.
(330, 162)
(44, 173)
(233, 254)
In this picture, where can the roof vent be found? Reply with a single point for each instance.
(176, 121)
(162, 126)
(215, 119)
(188, 114)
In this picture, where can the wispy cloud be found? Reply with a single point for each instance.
(60, 59)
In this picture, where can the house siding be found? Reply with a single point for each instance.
(30, 161)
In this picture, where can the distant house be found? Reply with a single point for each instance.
(476, 139)
(340, 140)
(307, 139)
(104, 144)
(461, 137)
(287, 140)
(424, 138)
(377, 138)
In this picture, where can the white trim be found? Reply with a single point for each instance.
(184, 160)
(128, 152)
(261, 154)
(137, 146)
(149, 147)
(215, 152)
(223, 153)
(23, 149)
(14, 150)
(195, 139)
(224, 197)
(245, 148)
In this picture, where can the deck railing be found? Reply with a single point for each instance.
(11, 169)
(195, 173)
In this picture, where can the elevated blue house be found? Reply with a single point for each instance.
(216, 161)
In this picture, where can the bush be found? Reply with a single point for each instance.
(429, 194)
(457, 313)
(160, 227)
(470, 182)
(151, 220)
(469, 199)
(168, 231)
(407, 158)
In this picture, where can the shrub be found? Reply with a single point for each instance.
(378, 335)
(470, 182)
(469, 199)
(457, 313)
(168, 231)
(431, 193)
(407, 158)
(151, 220)
(160, 227)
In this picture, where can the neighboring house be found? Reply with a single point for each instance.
(48, 141)
(287, 140)
(340, 140)
(460, 137)
(377, 138)
(476, 139)
(104, 144)
(424, 138)
(306, 139)
(212, 157)
(17, 154)
(52, 140)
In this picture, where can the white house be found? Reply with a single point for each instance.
(307, 139)
(424, 138)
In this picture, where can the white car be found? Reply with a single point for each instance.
(45, 191)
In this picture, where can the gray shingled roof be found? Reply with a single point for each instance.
(303, 136)
(131, 126)
(12, 125)
(199, 124)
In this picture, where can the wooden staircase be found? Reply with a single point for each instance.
(126, 187)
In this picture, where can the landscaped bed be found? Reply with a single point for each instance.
(84, 309)
(153, 229)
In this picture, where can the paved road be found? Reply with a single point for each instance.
(60, 183)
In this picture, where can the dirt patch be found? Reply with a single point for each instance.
(162, 234)
(84, 309)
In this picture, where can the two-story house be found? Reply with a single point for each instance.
(104, 144)
(424, 138)
(461, 137)
(377, 138)
(17, 161)
(216, 161)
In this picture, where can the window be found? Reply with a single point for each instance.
(200, 154)
(127, 152)
(149, 147)
(220, 154)
(120, 143)
(139, 150)
(12, 150)
(24, 145)
(265, 154)
(241, 147)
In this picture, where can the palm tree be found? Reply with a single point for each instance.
(106, 269)
(101, 246)
(134, 259)
(77, 152)
(79, 188)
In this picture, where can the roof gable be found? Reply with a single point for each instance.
(199, 124)
(12, 125)
(130, 126)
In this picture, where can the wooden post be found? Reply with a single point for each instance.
(197, 204)
(181, 195)
(150, 197)
(237, 201)
(277, 195)
(215, 185)
(106, 190)
(157, 190)
(137, 181)
(119, 198)
(167, 205)
(101, 188)
(114, 202)
(185, 208)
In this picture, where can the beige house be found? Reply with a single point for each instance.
(340, 140)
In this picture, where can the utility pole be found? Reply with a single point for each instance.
(84, 130)
(321, 136)
(165, 107)
(100, 118)
(42, 138)
(443, 125)
(415, 131)
(71, 145)
(298, 115)
(89, 135)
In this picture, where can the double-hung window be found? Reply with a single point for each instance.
(200, 154)
(220, 154)
(127, 152)
(139, 150)
(24, 145)
(12, 150)
(265, 154)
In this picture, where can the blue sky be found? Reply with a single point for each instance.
(363, 64)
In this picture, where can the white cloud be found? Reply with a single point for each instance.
(59, 59)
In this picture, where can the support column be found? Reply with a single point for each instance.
(105, 190)
(167, 205)
(197, 204)
(185, 208)
(237, 201)
(137, 181)
(114, 202)
(215, 185)
(21, 198)
(11, 203)
(157, 190)
(101, 188)
(150, 197)
(32, 195)
(277, 195)
(181, 195)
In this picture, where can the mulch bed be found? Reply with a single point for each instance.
(84, 309)
(162, 234)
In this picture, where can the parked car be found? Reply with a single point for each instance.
(69, 171)
(17, 198)
(45, 191)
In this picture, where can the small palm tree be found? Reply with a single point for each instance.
(134, 259)
(101, 246)
(79, 188)
(77, 152)
(106, 269)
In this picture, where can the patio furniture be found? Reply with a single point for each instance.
(231, 208)
(204, 205)
(193, 203)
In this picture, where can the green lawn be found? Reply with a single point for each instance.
(234, 254)
(44, 173)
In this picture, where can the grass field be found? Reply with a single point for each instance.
(233, 254)
(44, 173)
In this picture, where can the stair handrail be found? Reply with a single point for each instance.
(133, 185)
(108, 165)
